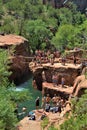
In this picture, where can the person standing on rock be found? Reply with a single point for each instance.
(48, 99)
(37, 102)
(63, 60)
(55, 79)
(43, 102)
(54, 100)
(43, 76)
(74, 60)
(62, 81)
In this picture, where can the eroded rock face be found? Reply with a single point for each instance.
(18, 50)
(69, 72)
(20, 70)
(37, 76)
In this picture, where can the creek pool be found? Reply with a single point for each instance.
(30, 104)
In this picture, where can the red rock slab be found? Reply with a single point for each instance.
(11, 40)
(66, 89)
(58, 65)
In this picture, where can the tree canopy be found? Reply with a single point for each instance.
(41, 23)
(8, 97)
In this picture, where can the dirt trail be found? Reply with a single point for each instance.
(54, 118)
(27, 124)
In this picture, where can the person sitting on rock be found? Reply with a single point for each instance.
(43, 115)
(47, 107)
(54, 100)
(32, 117)
(59, 105)
(37, 102)
(63, 60)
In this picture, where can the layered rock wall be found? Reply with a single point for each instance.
(69, 72)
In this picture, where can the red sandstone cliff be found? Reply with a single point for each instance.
(18, 56)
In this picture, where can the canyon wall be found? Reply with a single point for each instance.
(19, 52)
(81, 4)
(69, 72)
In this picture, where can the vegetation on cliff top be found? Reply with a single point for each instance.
(43, 25)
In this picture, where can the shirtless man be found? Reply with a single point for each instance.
(62, 81)
(55, 79)
(48, 99)
(54, 100)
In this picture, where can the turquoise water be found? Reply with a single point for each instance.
(30, 104)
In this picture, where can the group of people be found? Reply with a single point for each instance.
(45, 57)
(63, 60)
(55, 79)
(54, 104)
(49, 57)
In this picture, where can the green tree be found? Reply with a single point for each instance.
(37, 33)
(66, 37)
(78, 120)
(8, 97)
(65, 16)
(32, 9)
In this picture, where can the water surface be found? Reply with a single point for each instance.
(30, 104)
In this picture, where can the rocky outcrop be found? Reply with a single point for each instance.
(80, 84)
(69, 72)
(18, 50)
(58, 90)
(15, 45)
